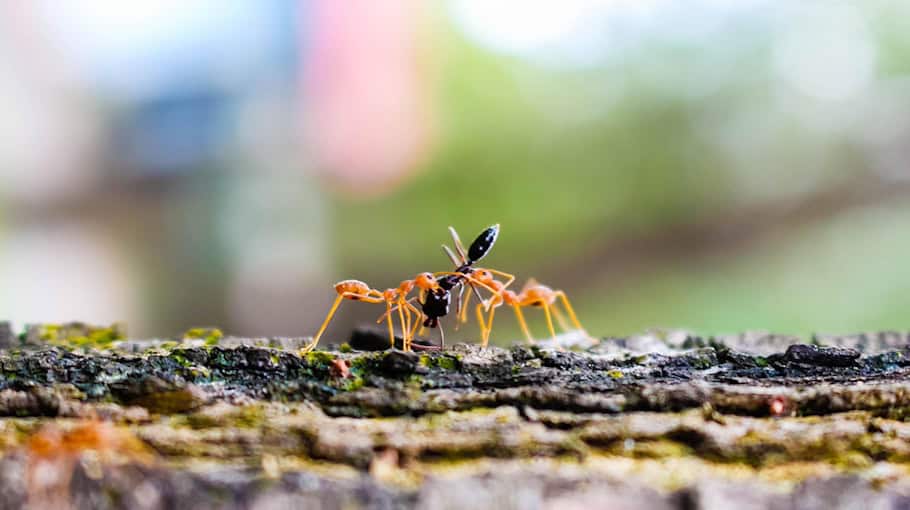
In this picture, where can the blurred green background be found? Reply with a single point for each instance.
(710, 165)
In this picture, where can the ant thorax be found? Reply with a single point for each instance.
(509, 297)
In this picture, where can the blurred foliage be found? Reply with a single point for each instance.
(556, 184)
(620, 180)
(844, 275)
(570, 159)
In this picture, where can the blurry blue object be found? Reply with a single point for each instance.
(175, 70)
(174, 133)
(128, 50)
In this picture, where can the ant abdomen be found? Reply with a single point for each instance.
(352, 286)
(481, 246)
(437, 303)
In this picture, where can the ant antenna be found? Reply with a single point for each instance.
(451, 255)
(455, 261)
(459, 302)
(460, 297)
(458, 245)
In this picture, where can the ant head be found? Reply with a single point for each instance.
(426, 281)
(483, 275)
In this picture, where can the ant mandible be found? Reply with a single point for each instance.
(356, 290)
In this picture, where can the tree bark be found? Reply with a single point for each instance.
(660, 420)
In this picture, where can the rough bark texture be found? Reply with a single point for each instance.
(659, 420)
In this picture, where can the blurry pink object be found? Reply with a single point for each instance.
(366, 94)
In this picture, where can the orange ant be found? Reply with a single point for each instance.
(356, 290)
(435, 304)
(424, 282)
(532, 294)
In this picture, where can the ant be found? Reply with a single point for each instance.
(435, 302)
(463, 263)
(436, 290)
(532, 294)
(356, 290)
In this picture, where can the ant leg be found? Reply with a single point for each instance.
(561, 319)
(310, 346)
(523, 324)
(388, 317)
(466, 277)
(344, 295)
(546, 312)
(442, 336)
(486, 338)
(573, 317)
(417, 322)
(480, 321)
(470, 279)
(568, 307)
(464, 309)
(460, 303)
(475, 291)
(422, 298)
(394, 308)
(474, 281)
(414, 318)
(415, 315)
(408, 332)
(404, 328)
(509, 277)
(379, 299)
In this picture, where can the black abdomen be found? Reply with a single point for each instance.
(435, 306)
(482, 244)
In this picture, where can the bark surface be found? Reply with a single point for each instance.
(658, 420)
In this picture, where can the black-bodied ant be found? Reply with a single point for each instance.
(464, 262)
(435, 303)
